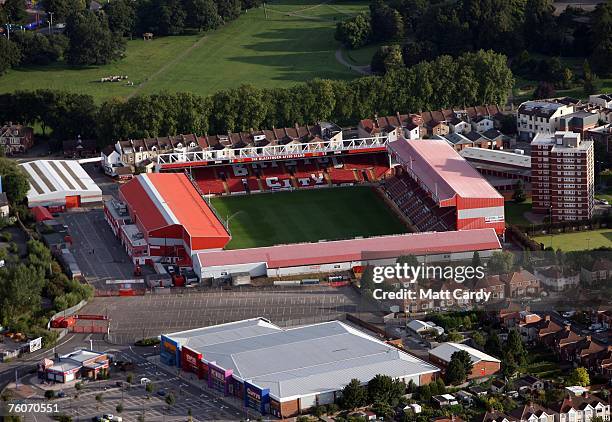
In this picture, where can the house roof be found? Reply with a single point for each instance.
(160, 200)
(445, 352)
(352, 250)
(305, 360)
(577, 403)
(524, 412)
(442, 169)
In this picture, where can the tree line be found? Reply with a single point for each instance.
(99, 37)
(425, 29)
(473, 78)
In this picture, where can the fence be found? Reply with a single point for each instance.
(67, 312)
(92, 329)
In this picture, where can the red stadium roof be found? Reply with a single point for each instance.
(356, 249)
(442, 169)
(160, 200)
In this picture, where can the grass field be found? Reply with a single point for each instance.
(276, 52)
(578, 241)
(306, 216)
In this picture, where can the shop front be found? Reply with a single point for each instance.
(169, 352)
(257, 398)
(191, 361)
(219, 379)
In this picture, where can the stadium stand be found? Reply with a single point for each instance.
(416, 205)
(207, 181)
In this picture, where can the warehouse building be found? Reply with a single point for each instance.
(344, 255)
(285, 372)
(484, 365)
(60, 184)
(162, 216)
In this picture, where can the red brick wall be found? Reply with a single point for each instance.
(290, 408)
(427, 378)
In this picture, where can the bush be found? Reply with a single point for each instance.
(49, 394)
(119, 408)
(152, 341)
(78, 386)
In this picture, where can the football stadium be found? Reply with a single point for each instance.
(280, 203)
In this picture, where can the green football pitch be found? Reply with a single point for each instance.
(306, 216)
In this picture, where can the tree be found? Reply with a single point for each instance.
(387, 58)
(425, 393)
(170, 400)
(387, 23)
(10, 55)
(228, 9)
(62, 9)
(509, 364)
(37, 48)
(15, 11)
(455, 372)
(384, 389)
(579, 376)
(119, 408)
(479, 339)
(354, 395)
(121, 15)
(602, 58)
(476, 261)
(501, 262)
(544, 90)
(90, 40)
(203, 14)
(519, 194)
(354, 32)
(149, 387)
(415, 52)
(14, 179)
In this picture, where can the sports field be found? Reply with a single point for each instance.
(306, 216)
(295, 43)
(578, 241)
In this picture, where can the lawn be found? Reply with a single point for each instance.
(279, 51)
(523, 88)
(515, 212)
(577, 241)
(306, 216)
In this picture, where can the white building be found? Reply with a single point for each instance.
(423, 327)
(60, 183)
(601, 100)
(557, 280)
(482, 123)
(540, 117)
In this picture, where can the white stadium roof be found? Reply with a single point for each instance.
(300, 361)
(51, 181)
(446, 350)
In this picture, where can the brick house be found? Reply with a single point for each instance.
(483, 365)
(16, 138)
(521, 283)
(582, 408)
(600, 270)
(492, 284)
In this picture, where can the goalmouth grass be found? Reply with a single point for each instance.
(306, 216)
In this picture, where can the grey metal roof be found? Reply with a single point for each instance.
(305, 360)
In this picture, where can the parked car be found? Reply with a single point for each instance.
(161, 393)
(144, 381)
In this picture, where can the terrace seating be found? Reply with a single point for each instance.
(341, 176)
(207, 181)
(417, 206)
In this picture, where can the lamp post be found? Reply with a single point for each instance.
(50, 21)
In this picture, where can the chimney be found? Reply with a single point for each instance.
(588, 338)
(568, 327)
(547, 318)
